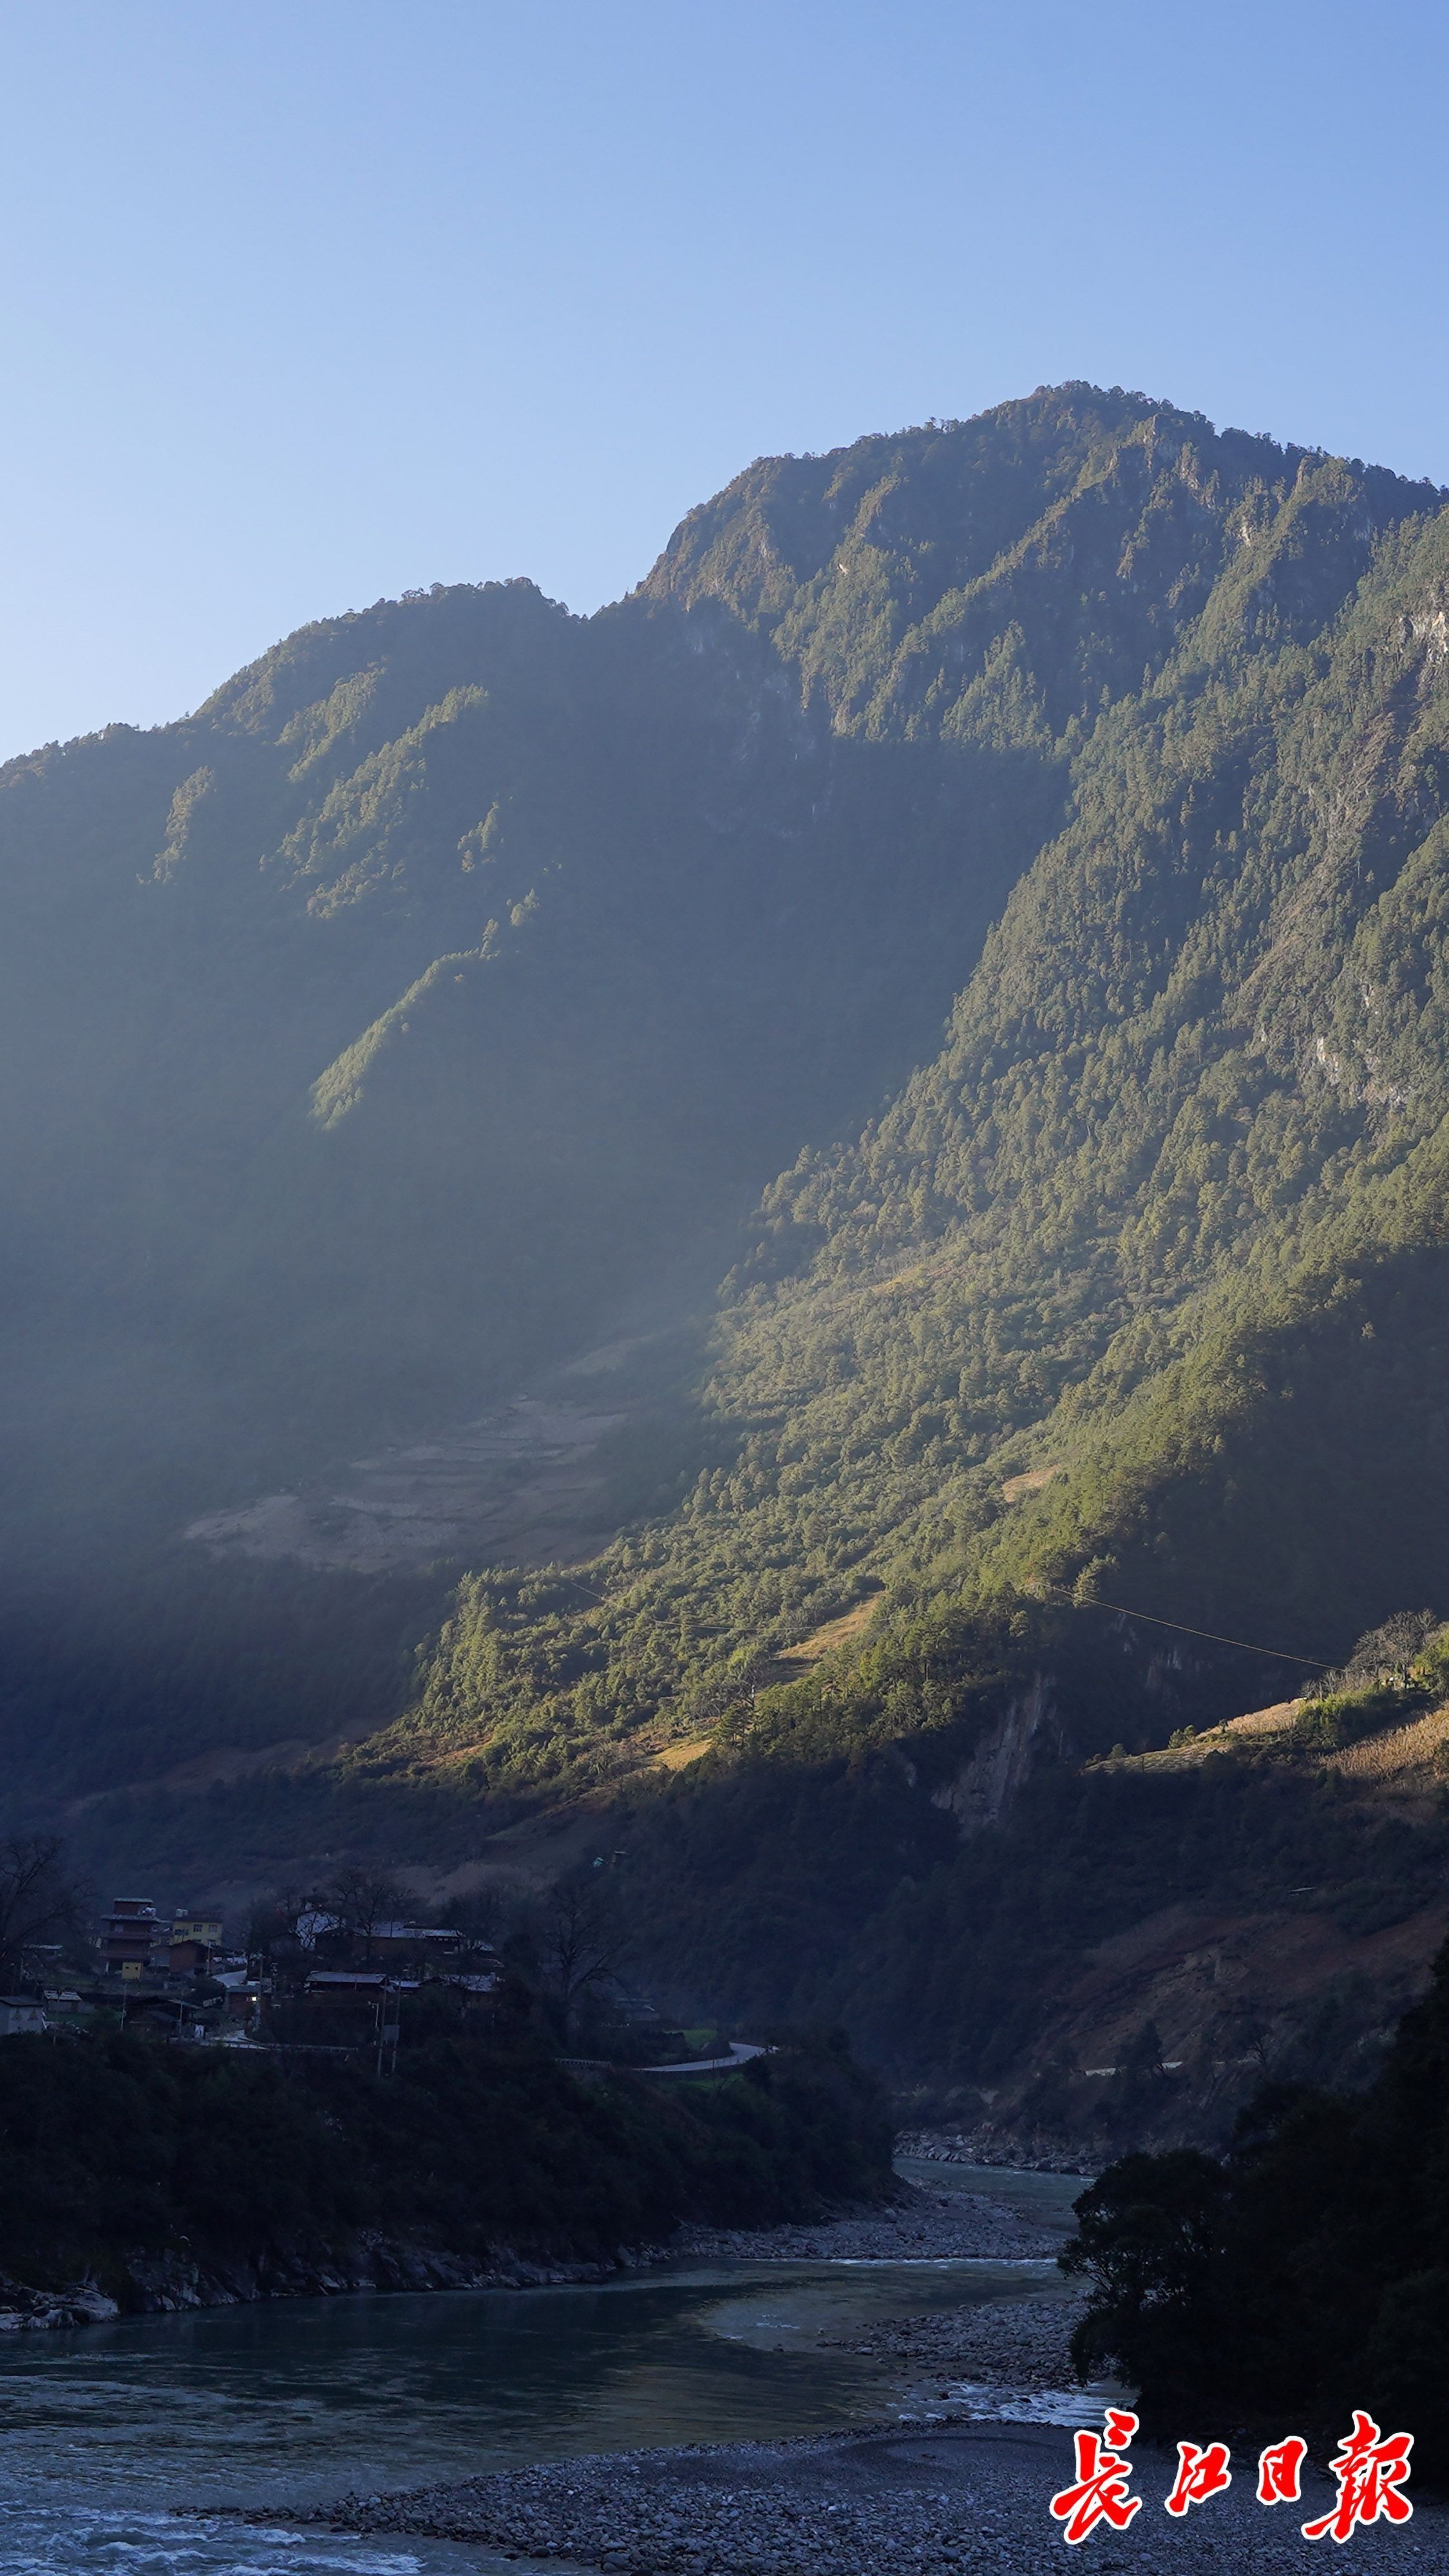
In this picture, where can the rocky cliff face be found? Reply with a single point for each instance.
(1002, 1762)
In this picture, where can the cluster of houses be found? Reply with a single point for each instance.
(170, 1974)
(376, 1966)
(173, 1974)
(329, 1984)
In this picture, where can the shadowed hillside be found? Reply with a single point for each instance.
(442, 998)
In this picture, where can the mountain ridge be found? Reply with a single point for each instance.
(1116, 742)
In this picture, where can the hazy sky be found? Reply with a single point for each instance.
(308, 301)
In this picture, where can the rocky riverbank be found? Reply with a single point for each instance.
(996, 2358)
(986, 2147)
(968, 2497)
(999, 2356)
(78, 2303)
(919, 2224)
(167, 2284)
(922, 2224)
(961, 2480)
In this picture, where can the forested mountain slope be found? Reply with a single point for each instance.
(1123, 740)
(371, 1033)
(1165, 1214)
(1182, 1158)
(1166, 1217)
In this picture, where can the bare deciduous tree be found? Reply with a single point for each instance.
(581, 1940)
(362, 1898)
(38, 1902)
(272, 1923)
(478, 1920)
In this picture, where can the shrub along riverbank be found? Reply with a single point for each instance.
(172, 2175)
(1303, 2275)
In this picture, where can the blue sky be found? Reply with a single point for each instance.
(308, 303)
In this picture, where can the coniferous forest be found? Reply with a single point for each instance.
(916, 1043)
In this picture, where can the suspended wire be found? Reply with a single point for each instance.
(1276, 1653)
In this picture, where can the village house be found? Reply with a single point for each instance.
(414, 1941)
(195, 1939)
(387, 1943)
(130, 1934)
(19, 2014)
(135, 1942)
(244, 1994)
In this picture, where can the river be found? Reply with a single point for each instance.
(108, 2429)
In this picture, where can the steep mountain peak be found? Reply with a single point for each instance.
(426, 643)
(974, 486)
(1046, 552)
(379, 1038)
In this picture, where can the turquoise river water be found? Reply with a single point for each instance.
(107, 2430)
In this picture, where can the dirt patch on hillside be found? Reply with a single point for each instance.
(518, 1487)
(1030, 1481)
(534, 1482)
(835, 1632)
(1412, 1758)
(1226, 1991)
(1255, 1730)
(225, 1763)
(529, 1856)
(678, 1757)
(793, 1662)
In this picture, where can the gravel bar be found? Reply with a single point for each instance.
(922, 2225)
(948, 2486)
(984, 2358)
(866, 2504)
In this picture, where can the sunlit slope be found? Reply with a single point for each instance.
(1182, 1167)
(464, 970)
(1006, 577)
(370, 1034)
(1167, 1212)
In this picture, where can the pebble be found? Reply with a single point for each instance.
(865, 2504)
(951, 2490)
(1015, 2347)
(982, 2147)
(921, 2225)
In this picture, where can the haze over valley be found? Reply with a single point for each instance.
(977, 900)
(724, 1388)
